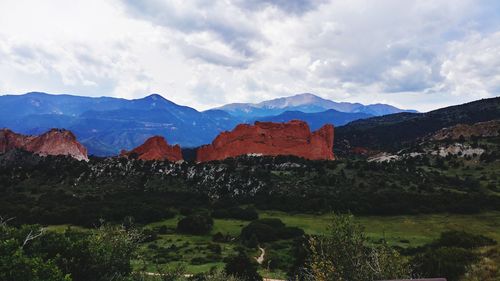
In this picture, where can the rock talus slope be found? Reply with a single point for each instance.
(268, 138)
(480, 129)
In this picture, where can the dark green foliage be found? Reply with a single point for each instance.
(462, 239)
(215, 248)
(267, 230)
(344, 254)
(99, 255)
(447, 262)
(197, 224)
(262, 232)
(218, 237)
(149, 235)
(247, 214)
(57, 190)
(15, 264)
(253, 242)
(241, 266)
(450, 256)
(395, 131)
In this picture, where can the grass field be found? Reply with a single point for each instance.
(418, 229)
(404, 231)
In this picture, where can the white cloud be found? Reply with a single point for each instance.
(415, 54)
(472, 66)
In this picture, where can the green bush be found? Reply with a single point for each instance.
(15, 264)
(344, 254)
(462, 239)
(268, 230)
(242, 267)
(247, 214)
(98, 255)
(198, 224)
(447, 262)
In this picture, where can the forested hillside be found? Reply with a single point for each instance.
(395, 131)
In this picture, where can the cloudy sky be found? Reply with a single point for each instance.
(413, 54)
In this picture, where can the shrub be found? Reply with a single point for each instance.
(16, 265)
(268, 230)
(149, 235)
(238, 213)
(195, 224)
(263, 232)
(290, 232)
(345, 255)
(219, 237)
(98, 255)
(447, 262)
(215, 248)
(242, 267)
(163, 229)
(462, 239)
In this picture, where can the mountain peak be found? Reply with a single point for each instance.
(307, 103)
(154, 96)
(156, 101)
(305, 95)
(292, 101)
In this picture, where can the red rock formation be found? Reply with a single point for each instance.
(53, 142)
(10, 140)
(155, 148)
(267, 138)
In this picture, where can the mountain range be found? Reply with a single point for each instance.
(307, 103)
(105, 124)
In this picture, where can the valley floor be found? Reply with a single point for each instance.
(403, 231)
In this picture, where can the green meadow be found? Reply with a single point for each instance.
(201, 253)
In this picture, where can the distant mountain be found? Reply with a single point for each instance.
(307, 103)
(392, 132)
(106, 125)
(318, 119)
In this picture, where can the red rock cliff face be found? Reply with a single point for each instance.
(53, 142)
(267, 138)
(155, 148)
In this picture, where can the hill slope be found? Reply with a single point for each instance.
(393, 131)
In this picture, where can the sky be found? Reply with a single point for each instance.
(418, 54)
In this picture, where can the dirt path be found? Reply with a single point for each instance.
(260, 259)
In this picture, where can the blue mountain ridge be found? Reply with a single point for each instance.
(105, 125)
(307, 103)
(317, 119)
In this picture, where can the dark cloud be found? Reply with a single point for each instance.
(290, 6)
(200, 16)
(214, 57)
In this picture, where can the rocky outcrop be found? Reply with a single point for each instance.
(155, 148)
(481, 129)
(53, 142)
(267, 138)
